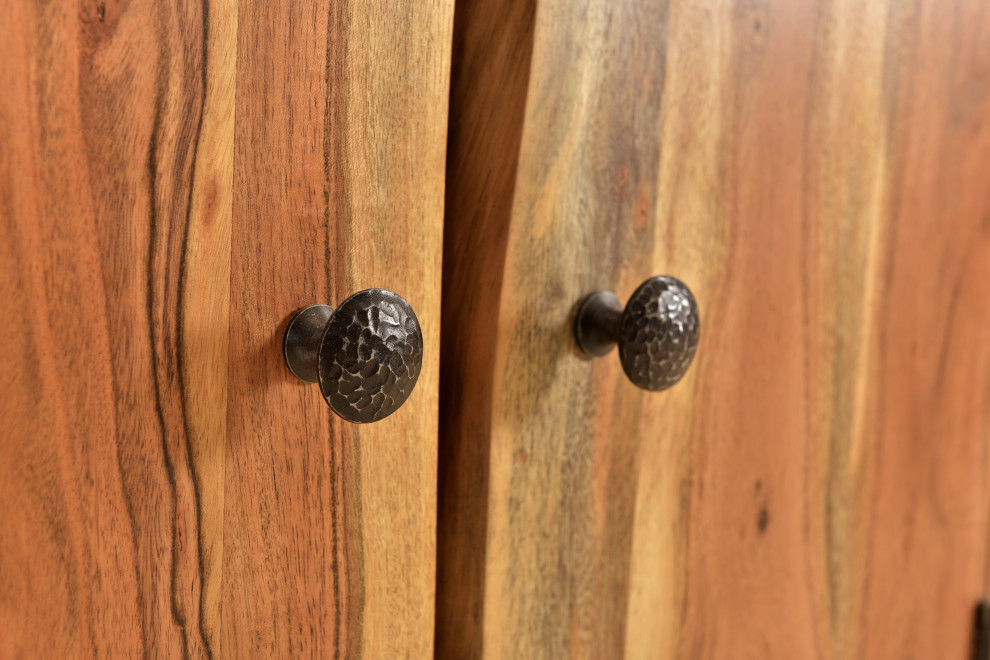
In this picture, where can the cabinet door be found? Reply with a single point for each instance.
(176, 179)
(817, 485)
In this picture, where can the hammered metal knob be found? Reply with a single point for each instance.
(366, 354)
(657, 332)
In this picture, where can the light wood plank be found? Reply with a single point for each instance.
(817, 485)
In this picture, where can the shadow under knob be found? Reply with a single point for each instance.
(657, 332)
(366, 354)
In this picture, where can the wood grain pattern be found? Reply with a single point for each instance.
(168, 489)
(492, 47)
(339, 168)
(818, 485)
(115, 188)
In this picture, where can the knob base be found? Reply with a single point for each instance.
(596, 326)
(301, 344)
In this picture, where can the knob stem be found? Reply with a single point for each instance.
(596, 326)
(303, 337)
(657, 331)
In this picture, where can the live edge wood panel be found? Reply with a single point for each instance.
(167, 489)
(818, 486)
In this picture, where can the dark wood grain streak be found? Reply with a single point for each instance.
(167, 330)
(338, 215)
(165, 325)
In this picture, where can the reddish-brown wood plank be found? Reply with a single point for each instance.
(114, 190)
(139, 505)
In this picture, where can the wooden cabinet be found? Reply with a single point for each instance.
(177, 179)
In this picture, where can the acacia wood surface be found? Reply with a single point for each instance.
(818, 486)
(115, 193)
(338, 187)
(150, 253)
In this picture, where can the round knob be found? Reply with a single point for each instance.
(657, 332)
(366, 354)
